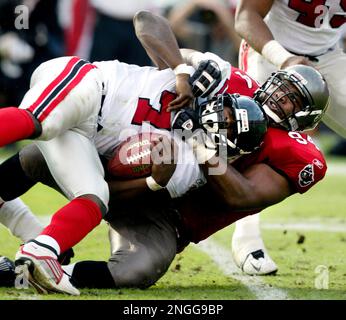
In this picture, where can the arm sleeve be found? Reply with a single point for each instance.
(299, 160)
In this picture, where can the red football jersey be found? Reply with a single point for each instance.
(239, 82)
(292, 154)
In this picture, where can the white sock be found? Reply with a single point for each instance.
(248, 227)
(49, 241)
(69, 269)
(19, 219)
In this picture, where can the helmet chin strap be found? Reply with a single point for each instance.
(271, 114)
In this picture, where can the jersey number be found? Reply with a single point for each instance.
(300, 139)
(158, 118)
(311, 13)
(246, 78)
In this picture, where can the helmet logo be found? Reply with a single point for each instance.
(314, 112)
(210, 118)
(242, 116)
(299, 77)
(187, 125)
(318, 163)
(306, 176)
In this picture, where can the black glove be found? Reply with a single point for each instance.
(205, 79)
(186, 119)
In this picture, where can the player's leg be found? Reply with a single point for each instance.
(24, 170)
(13, 213)
(80, 177)
(156, 244)
(18, 174)
(54, 102)
(7, 275)
(143, 245)
(248, 249)
(19, 219)
(332, 66)
(254, 64)
(13, 180)
(27, 168)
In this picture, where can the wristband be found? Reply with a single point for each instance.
(152, 184)
(183, 68)
(275, 53)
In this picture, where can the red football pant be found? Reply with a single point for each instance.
(15, 124)
(73, 222)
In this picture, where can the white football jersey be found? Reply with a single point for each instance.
(135, 96)
(307, 27)
(187, 175)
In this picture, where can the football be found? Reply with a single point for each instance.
(132, 158)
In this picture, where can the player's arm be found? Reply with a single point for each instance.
(256, 188)
(127, 189)
(157, 38)
(211, 70)
(162, 156)
(121, 190)
(250, 26)
(249, 22)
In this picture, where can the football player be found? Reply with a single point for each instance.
(178, 178)
(278, 34)
(20, 221)
(146, 234)
(288, 103)
(62, 111)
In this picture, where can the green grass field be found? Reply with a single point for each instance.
(301, 233)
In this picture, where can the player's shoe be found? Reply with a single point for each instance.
(251, 257)
(45, 272)
(7, 274)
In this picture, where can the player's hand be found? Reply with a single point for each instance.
(291, 61)
(15, 49)
(163, 157)
(184, 93)
(185, 119)
(206, 78)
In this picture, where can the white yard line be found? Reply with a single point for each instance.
(304, 226)
(222, 257)
(336, 169)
